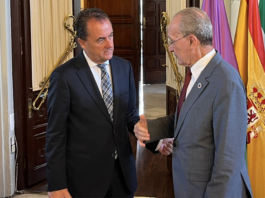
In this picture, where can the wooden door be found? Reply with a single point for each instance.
(125, 18)
(31, 131)
(30, 125)
(154, 54)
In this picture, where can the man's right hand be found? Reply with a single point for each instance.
(60, 194)
(141, 131)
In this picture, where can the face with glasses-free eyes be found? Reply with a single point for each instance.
(98, 45)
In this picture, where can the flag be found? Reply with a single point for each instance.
(222, 40)
(250, 54)
(262, 18)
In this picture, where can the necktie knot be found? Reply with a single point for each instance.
(188, 74)
(102, 66)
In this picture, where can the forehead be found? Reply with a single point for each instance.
(99, 28)
(173, 29)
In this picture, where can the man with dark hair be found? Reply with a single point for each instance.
(209, 127)
(91, 108)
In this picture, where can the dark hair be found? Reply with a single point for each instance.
(84, 16)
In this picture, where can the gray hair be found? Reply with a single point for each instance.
(195, 21)
(84, 16)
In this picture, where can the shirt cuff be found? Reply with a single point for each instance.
(159, 144)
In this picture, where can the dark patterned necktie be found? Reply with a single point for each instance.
(184, 90)
(106, 89)
(107, 93)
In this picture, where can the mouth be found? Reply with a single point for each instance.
(109, 51)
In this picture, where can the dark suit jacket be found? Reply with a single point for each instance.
(81, 138)
(210, 136)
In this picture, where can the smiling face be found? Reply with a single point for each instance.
(98, 45)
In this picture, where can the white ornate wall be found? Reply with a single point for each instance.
(235, 4)
(7, 160)
(172, 7)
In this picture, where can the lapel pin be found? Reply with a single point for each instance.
(199, 85)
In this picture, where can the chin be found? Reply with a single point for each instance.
(108, 56)
(181, 63)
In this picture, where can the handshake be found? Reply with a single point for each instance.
(165, 146)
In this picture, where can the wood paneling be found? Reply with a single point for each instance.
(171, 100)
(154, 179)
(151, 48)
(124, 16)
(123, 42)
(36, 144)
(150, 63)
(154, 55)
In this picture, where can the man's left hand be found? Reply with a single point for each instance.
(166, 147)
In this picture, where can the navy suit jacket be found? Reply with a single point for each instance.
(81, 138)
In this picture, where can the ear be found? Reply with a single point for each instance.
(82, 43)
(193, 40)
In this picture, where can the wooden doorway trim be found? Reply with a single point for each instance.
(76, 10)
(193, 3)
(18, 58)
(21, 58)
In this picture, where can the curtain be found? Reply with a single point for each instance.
(49, 38)
(172, 7)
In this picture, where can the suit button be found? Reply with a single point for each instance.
(112, 154)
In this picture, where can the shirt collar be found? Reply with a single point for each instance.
(90, 62)
(197, 68)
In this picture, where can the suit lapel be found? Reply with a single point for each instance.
(196, 91)
(116, 77)
(85, 75)
(192, 97)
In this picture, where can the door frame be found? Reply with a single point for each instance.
(18, 61)
(21, 56)
(157, 72)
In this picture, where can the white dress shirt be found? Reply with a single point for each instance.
(96, 71)
(196, 71)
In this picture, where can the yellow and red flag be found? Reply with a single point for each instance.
(250, 54)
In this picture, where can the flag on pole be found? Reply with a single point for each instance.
(250, 54)
(222, 40)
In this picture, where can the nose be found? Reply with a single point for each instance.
(109, 43)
